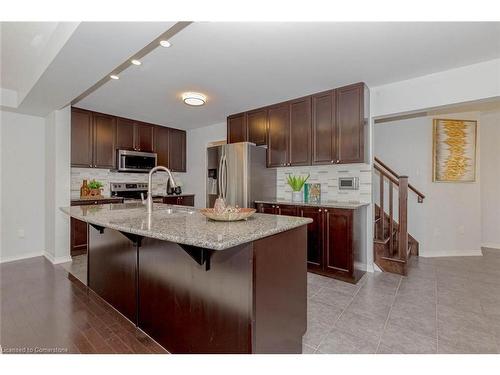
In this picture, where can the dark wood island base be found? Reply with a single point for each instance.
(251, 298)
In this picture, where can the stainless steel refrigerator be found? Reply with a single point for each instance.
(237, 172)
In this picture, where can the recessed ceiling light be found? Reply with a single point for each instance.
(135, 62)
(194, 98)
(114, 76)
(165, 43)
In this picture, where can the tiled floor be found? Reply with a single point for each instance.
(445, 305)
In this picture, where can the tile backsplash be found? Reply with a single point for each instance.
(107, 176)
(327, 176)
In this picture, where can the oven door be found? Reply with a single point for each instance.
(134, 161)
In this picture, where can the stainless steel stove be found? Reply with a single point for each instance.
(129, 191)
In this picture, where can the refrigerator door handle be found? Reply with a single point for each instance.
(224, 183)
(219, 177)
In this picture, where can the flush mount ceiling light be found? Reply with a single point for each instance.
(135, 62)
(194, 98)
(165, 43)
(114, 76)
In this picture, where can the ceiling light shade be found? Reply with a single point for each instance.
(135, 62)
(194, 98)
(165, 43)
(114, 76)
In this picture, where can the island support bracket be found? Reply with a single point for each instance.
(135, 238)
(99, 228)
(199, 254)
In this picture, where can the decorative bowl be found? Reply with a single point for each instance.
(241, 214)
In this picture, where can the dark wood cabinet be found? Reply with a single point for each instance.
(333, 238)
(277, 136)
(237, 128)
(81, 138)
(78, 237)
(350, 123)
(177, 150)
(314, 237)
(104, 141)
(144, 137)
(161, 145)
(299, 145)
(95, 137)
(338, 252)
(79, 229)
(323, 128)
(125, 134)
(257, 126)
(184, 200)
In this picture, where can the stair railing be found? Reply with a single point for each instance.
(401, 182)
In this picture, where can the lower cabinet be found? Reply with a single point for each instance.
(332, 238)
(183, 200)
(79, 229)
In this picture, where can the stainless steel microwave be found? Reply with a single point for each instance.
(135, 161)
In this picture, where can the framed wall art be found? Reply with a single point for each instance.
(454, 150)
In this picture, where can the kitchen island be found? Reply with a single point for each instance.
(199, 286)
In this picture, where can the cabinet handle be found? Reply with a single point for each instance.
(338, 161)
(331, 162)
(277, 206)
(319, 210)
(90, 165)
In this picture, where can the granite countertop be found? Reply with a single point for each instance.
(183, 225)
(78, 199)
(323, 203)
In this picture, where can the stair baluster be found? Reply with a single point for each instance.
(403, 218)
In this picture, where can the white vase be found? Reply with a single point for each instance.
(297, 196)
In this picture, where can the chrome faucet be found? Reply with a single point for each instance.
(149, 200)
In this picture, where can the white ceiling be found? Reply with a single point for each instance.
(246, 65)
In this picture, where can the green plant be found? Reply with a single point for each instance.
(95, 184)
(296, 182)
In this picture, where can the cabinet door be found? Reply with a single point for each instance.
(350, 124)
(125, 130)
(144, 137)
(236, 128)
(187, 200)
(265, 208)
(288, 210)
(277, 137)
(81, 138)
(177, 150)
(323, 128)
(78, 237)
(300, 132)
(171, 200)
(257, 126)
(314, 237)
(338, 246)
(104, 141)
(161, 145)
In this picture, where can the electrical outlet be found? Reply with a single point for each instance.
(20, 233)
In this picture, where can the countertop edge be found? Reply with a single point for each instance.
(344, 205)
(172, 238)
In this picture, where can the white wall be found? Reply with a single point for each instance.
(449, 220)
(468, 83)
(196, 176)
(490, 179)
(23, 185)
(57, 182)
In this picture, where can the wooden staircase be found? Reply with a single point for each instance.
(393, 245)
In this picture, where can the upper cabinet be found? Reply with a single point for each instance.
(104, 141)
(237, 128)
(134, 135)
(257, 126)
(95, 138)
(324, 128)
(81, 138)
(350, 121)
(177, 150)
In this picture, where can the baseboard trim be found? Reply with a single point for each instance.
(451, 253)
(57, 260)
(495, 246)
(20, 257)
